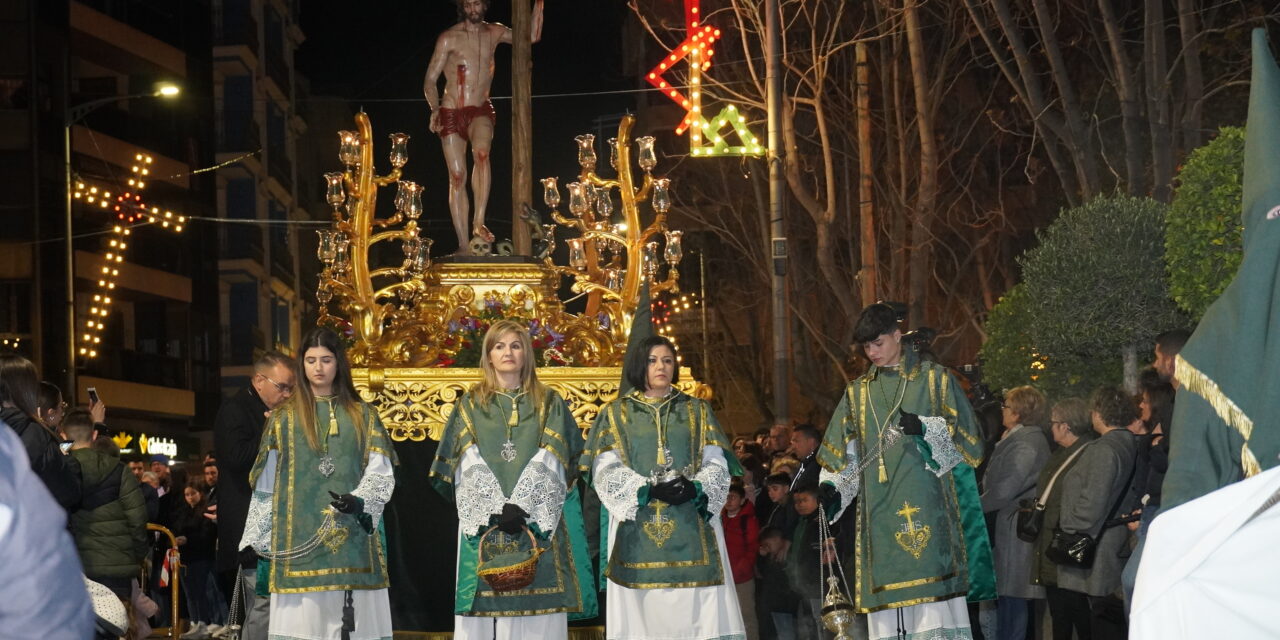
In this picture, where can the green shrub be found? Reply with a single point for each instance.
(1202, 232)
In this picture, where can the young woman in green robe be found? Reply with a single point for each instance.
(321, 480)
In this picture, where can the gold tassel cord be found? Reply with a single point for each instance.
(1195, 381)
(884, 473)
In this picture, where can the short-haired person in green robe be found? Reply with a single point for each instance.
(321, 480)
(904, 441)
(508, 459)
(662, 466)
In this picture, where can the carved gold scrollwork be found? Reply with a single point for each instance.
(415, 403)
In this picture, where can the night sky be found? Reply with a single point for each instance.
(374, 55)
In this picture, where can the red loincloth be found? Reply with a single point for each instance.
(459, 120)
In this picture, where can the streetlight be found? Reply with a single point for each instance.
(73, 115)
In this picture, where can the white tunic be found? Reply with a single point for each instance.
(540, 491)
(1210, 566)
(692, 613)
(317, 615)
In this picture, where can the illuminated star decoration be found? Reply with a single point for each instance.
(708, 136)
(129, 209)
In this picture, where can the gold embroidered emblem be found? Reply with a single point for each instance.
(336, 537)
(913, 538)
(659, 528)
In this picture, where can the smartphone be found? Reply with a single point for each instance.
(93, 396)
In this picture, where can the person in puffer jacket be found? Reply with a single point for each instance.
(110, 525)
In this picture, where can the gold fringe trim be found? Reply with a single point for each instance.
(1195, 381)
(575, 633)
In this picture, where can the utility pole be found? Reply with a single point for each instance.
(521, 122)
(866, 210)
(777, 231)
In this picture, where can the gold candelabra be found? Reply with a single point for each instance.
(610, 259)
(381, 318)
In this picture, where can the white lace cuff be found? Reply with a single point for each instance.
(714, 478)
(943, 450)
(848, 481)
(479, 495)
(541, 493)
(375, 489)
(257, 525)
(618, 487)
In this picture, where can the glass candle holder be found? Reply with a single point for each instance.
(550, 192)
(326, 250)
(613, 278)
(412, 204)
(604, 204)
(422, 256)
(661, 195)
(650, 258)
(335, 191)
(323, 295)
(673, 252)
(586, 151)
(613, 153)
(349, 148)
(399, 149)
(341, 257)
(577, 198)
(577, 254)
(647, 159)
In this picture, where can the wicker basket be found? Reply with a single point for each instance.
(512, 577)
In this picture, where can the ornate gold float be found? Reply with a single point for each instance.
(407, 323)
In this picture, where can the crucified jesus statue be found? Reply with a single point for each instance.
(464, 54)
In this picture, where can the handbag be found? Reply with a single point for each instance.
(1031, 510)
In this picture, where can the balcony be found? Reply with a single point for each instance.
(238, 133)
(278, 72)
(282, 263)
(241, 241)
(279, 167)
(235, 28)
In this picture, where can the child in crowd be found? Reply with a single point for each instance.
(773, 595)
(741, 537)
(803, 560)
(776, 513)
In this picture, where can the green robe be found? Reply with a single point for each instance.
(350, 559)
(664, 546)
(562, 582)
(919, 537)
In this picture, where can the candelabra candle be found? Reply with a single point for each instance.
(549, 234)
(341, 256)
(412, 206)
(673, 251)
(349, 148)
(577, 255)
(587, 151)
(326, 250)
(422, 256)
(550, 193)
(651, 258)
(661, 195)
(399, 149)
(335, 193)
(604, 204)
(577, 198)
(647, 159)
(613, 153)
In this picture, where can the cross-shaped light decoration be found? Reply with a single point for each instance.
(708, 136)
(129, 209)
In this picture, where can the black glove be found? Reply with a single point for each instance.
(674, 492)
(511, 522)
(911, 424)
(830, 497)
(247, 556)
(347, 503)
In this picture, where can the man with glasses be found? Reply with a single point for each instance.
(236, 433)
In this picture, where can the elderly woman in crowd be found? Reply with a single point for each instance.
(1010, 477)
(1087, 495)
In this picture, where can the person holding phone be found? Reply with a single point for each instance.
(19, 408)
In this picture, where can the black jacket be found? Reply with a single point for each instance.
(60, 473)
(237, 432)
